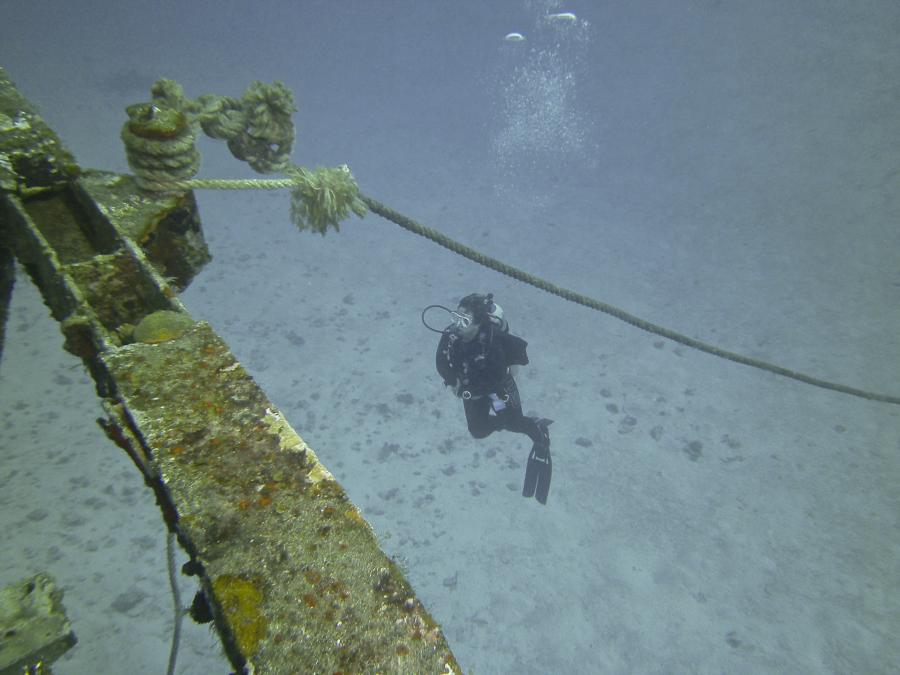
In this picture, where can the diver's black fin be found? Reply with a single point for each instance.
(539, 469)
(543, 480)
(538, 473)
(531, 475)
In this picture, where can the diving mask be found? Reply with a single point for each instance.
(461, 321)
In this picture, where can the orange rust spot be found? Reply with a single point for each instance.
(243, 504)
(264, 500)
(177, 450)
(339, 588)
(213, 407)
(310, 600)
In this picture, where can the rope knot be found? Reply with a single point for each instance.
(159, 136)
(159, 144)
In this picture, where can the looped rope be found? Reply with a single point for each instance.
(266, 137)
(159, 136)
(159, 144)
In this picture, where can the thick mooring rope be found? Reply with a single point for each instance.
(510, 271)
(258, 127)
(498, 266)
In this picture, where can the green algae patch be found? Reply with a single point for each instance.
(240, 600)
(157, 123)
(162, 326)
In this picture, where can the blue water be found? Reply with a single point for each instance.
(728, 170)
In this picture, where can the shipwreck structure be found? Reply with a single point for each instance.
(291, 573)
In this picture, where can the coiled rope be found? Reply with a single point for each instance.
(159, 136)
(156, 141)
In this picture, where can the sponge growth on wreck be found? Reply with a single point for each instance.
(240, 600)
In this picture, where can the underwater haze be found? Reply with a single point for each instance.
(728, 170)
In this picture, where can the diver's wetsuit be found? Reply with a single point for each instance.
(480, 368)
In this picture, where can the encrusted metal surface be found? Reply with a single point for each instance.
(292, 573)
(295, 572)
(166, 227)
(30, 153)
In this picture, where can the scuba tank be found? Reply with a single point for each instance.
(495, 314)
(515, 347)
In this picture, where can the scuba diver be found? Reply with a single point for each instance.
(474, 357)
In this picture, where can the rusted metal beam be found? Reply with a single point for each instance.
(291, 572)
